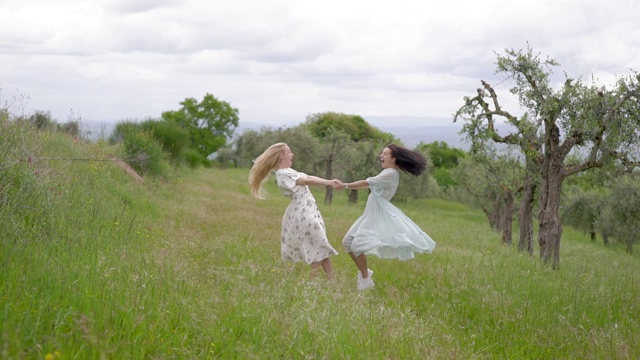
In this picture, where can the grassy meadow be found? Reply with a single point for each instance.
(95, 265)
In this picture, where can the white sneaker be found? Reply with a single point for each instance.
(365, 283)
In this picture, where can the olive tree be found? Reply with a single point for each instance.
(357, 161)
(582, 210)
(621, 214)
(251, 143)
(601, 121)
(336, 131)
(493, 180)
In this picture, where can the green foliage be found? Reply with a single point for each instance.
(621, 214)
(337, 132)
(209, 122)
(443, 177)
(353, 125)
(141, 141)
(42, 120)
(173, 138)
(193, 158)
(71, 128)
(142, 151)
(225, 157)
(417, 187)
(350, 160)
(442, 155)
(487, 176)
(444, 159)
(594, 179)
(305, 147)
(582, 210)
(359, 160)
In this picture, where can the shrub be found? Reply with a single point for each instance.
(192, 157)
(142, 151)
(173, 138)
(42, 120)
(71, 127)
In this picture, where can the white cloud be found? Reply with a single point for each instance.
(281, 60)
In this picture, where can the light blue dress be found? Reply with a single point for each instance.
(383, 229)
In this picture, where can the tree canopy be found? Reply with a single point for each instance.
(209, 122)
(353, 125)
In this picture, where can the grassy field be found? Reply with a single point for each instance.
(97, 266)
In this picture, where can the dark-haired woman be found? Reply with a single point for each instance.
(383, 229)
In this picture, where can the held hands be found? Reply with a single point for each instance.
(337, 184)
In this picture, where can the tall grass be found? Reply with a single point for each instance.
(95, 265)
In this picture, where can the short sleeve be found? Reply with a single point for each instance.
(287, 179)
(383, 180)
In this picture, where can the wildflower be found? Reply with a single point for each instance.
(50, 356)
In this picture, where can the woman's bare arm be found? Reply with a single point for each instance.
(315, 180)
(360, 184)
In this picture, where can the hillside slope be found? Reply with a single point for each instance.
(96, 265)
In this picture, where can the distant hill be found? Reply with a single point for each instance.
(412, 136)
(412, 129)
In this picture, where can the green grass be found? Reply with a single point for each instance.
(97, 266)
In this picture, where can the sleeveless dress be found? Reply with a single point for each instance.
(303, 236)
(383, 229)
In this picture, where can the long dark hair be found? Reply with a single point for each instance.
(409, 161)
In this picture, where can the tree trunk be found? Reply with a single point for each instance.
(629, 247)
(593, 235)
(494, 214)
(552, 176)
(507, 219)
(328, 196)
(525, 216)
(353, 196)
(605, 238)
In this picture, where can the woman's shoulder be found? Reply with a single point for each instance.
(284, 171)
(390, 172)
(385, 175)
(288, 172)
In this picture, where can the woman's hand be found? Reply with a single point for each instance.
(337, 184)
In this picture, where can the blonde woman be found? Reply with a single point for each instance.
(303, 235)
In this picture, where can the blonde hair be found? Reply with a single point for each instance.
(262, 168)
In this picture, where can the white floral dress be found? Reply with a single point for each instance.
(383, 229)
(303, 236)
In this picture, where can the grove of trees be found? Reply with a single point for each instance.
(598, 121)
(566, 154)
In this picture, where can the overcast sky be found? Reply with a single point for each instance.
(278, 61)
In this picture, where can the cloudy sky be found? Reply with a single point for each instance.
(278, 61)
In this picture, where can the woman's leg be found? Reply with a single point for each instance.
(314, 268)
(326, 266)
(361, 263)
(360, 260)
